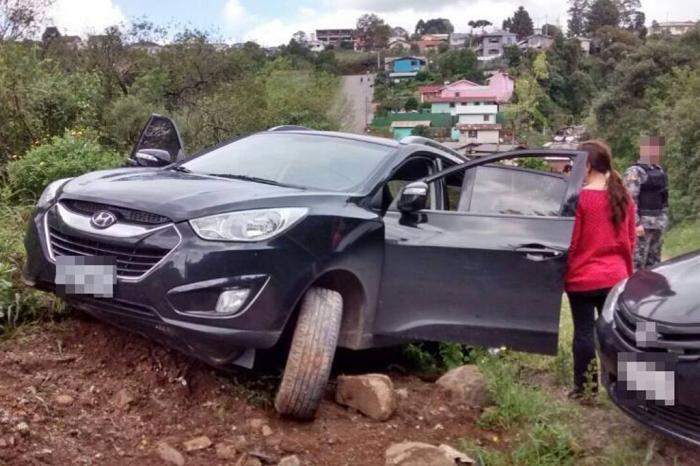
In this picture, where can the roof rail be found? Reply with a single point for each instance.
(430, 143)
(290, 128)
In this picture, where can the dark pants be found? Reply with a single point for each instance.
(583, 307)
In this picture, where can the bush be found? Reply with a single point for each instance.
(62, 157)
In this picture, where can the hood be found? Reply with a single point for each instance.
(179, 196)
(668, 293)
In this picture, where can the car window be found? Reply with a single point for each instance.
(511, 190)
(306, 160)
(412, 170)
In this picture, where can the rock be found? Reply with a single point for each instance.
(3, 443)
(371, 394)
(266, 430)
(256, 424)
(240, 443)
(197, 443)
(226, 451)
(169, 454)
(423, 454)
(247, 460)
(64, 400)
(402, 393)
(122, 398)
(22, 428)
(465, 384)
(292, 460)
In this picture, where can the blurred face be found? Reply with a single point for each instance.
(651, 149)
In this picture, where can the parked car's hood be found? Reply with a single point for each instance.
(669, 293)
(177, 195)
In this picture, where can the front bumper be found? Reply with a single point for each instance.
(174, 301)
(680, 421)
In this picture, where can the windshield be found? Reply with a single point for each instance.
(305, 160)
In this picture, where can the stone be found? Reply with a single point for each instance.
(292, 460)
(256, 424)
(247, 460)
(266, 430)
(122, 398)
(226, 451)
(240, 443)
(22, 428)
(371, 394)
(465, 384)
(197, 443)
(64, 400)
(424, 454)
(402, 393)
(169, 454)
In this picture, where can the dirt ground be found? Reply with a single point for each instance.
(81, 392)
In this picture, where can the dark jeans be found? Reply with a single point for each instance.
(583, 307)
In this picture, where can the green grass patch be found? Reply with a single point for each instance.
(682, 239)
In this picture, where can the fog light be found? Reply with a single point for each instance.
(231, 301)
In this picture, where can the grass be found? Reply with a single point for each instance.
(682, 238)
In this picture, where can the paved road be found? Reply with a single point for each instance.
(358, 96)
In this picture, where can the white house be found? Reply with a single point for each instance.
(316, 46)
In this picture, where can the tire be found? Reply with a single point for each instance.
(311, 354)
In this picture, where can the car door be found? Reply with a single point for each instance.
(488, 267)
(159, 142)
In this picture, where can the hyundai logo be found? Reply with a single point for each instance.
(103, 219)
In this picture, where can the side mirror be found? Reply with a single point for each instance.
(153, 158)
(414, 197)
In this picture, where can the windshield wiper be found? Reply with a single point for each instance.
(180, 168)
(254, 179)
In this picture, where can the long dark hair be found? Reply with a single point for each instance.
(600, 158)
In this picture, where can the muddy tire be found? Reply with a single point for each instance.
(311, 354)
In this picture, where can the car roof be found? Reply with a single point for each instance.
(337, 134)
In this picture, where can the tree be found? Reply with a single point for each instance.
(550, 30)
(438, 26)
(20, 19)
(299, 37)
(628, 10)
(602, 13)
(459, 63)
(398, 31)
(577, 17)
(372, 31)
(520, 24)
(420, 28)
(479, 23)
(411, 104)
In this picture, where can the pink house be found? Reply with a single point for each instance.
(499, 89)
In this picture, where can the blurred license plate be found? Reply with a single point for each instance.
(86, 275)
(648, 377)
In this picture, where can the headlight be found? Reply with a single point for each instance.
(611, 301)
(50, 191)
(249, 225)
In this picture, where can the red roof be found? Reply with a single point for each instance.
(431, 88)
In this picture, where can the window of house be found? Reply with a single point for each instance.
(472, 133)
(452, 105)
(494, 51)
(487, 118)
(456, 94)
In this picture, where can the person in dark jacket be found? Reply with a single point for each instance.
(600, 255)
(647, 182)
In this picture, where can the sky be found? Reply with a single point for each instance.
(272, 22)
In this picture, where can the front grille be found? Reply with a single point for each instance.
(118, 306)
(131, 261)
(680, 339)
(685, 417)
(122, 213)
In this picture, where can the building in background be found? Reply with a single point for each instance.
(536, 42)
(674, 28)
(404, 67)
(429, 42)
(335, 37)
(491, 45)
(459, 40)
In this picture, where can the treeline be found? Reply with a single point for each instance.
(107, 88)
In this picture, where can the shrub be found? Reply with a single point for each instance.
(62, 157)
(411, 104)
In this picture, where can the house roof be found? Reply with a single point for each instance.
(439, 120)
(461, 98)
(431, 88)
(496, 33)
(410, 124)
(392, 60)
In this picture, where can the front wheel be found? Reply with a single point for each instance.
(311, 354)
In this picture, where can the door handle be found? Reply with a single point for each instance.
(538, 252)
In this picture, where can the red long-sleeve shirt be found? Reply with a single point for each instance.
(600, 255)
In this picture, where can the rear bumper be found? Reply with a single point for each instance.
(173, 303)
(681, 421)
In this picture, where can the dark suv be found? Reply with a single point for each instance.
(348, 240)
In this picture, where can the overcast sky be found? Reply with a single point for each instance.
(272, 22)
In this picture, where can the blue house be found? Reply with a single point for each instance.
(405, 67)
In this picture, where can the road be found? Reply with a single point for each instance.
(358, 92)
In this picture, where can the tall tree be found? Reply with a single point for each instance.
(602, 13)
(373, 31)
(20, 19)
(577, 17)
(299, 37)
(420, 28)
(628, 10)
(438, 26)
(520, 24)
(479, 24)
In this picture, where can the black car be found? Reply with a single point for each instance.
(649, 343)
(347, 240)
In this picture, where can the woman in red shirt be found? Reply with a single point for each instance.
(600, 254)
